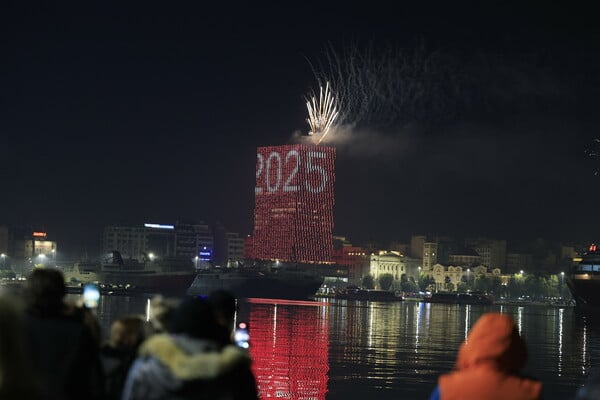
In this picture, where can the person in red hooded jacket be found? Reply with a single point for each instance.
(488, 363)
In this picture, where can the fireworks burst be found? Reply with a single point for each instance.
(322, 112)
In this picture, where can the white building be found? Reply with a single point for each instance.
(395, 264)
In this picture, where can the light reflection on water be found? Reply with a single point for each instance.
(348, 350)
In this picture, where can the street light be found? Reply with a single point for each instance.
(53, 251)
(196, 262)
(3, 260)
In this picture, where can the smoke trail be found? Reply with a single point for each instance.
(391, 86)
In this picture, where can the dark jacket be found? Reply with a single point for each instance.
(116, 363)
(488, 363)
(181, 367)
(65, 357)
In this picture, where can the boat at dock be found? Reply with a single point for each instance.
(584, 280)
(459, 298)
(165, 275)
(287, 283)
(358, 294)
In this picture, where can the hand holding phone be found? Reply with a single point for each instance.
(242, 336)
(91, 295)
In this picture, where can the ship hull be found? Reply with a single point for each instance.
(154, 282)
(257, 285)
(584, 280)
(368, 295)
(585, 290)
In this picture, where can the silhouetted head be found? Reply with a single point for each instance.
(45, 289)
(224, 306)
(194, 317)
(127, 332)
(161, 310)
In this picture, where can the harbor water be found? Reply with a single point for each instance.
(356, 350)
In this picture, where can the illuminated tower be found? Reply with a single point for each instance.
(293, 213)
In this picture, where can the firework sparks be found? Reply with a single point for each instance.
(322, 112)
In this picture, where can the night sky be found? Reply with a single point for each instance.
(125, 115)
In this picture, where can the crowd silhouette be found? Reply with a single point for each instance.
(51, 349)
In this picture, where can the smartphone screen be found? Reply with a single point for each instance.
(91, 295)
(242, 336)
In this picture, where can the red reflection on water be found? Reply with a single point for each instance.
(290, 350)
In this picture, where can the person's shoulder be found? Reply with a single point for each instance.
(435, 395)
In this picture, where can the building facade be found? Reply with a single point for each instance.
(23, 247)
(416, 245)
(430, 255)
(395, 264)
(448, 277)
(516, 262)
(161, 240)
(229, 248)
(464, 257)
(354, 257)
(491, 251)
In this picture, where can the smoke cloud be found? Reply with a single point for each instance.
(365, 143)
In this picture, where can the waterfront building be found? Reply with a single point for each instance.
(181, 240)
(22, 247)
(387, 262)
(416, 246)
(516, 262)
(403, 248)
(464, 256)
(430, 256)
(131, 241)
(448, 277)
(491, 251)
(395, 264)
(229, 247)
(354, 257)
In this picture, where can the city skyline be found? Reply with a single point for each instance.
(151, 115)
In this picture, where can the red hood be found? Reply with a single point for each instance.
(493, 339)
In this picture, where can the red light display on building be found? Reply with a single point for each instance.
(294, 199)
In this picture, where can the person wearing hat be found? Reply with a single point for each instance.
(488, 365)
(190, 362)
